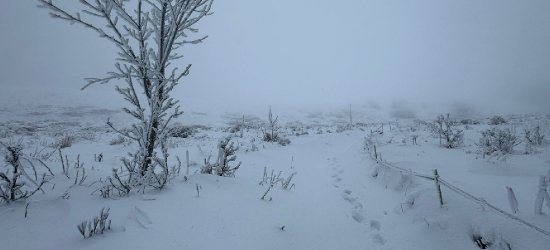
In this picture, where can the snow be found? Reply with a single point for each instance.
(336, 203)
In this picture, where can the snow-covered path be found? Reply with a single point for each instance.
(336, 204)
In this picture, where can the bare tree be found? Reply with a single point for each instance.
(147, 37)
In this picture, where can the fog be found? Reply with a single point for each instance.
(492, 56)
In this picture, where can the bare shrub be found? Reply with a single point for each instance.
(89, 136)
(534, 136)
(497, 120)
(65, 141)
(497, 142)
(120, 140)
(446, 129)
(182, 131)
(97, 225)
(274, 179)
(226, 154)
(283, 141)
(11, 189)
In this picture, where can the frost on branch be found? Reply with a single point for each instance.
(148, 35)
(11, 187)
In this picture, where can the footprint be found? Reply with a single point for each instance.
(357, 216)
(379, 240)
(347, 191)
(349, 199)
(338, 179)
(375, 224)
(334, 175)
(335, 185)
(357, 205)
(341, 171)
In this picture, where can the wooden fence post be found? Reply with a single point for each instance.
(436, 178)
(542, 195)
(512, 200)
(187, 156)
(375, 154)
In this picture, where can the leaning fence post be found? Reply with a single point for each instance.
(436, 178)
(375, 154)
(512, 200)
(542, 195)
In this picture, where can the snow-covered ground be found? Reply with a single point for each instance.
(336, 202)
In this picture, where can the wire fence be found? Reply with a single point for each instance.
(455, 189)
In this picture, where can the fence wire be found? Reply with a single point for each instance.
(462, 193)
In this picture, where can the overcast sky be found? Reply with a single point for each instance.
(493, 54)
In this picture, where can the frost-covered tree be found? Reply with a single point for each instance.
(271, 134)
(445, 127)
(148, 34)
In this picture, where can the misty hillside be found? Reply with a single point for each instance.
(208, 124)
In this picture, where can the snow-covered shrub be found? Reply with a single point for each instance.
(449, 135)
(151, 177)
(489, 238)
(343, 127)
(11, 188)
(530, 150)
(95, 226)
(497, 120)
(120, 140)
(534, 136)
(89, 136)
(99, 157)
(253, 146)
(283, 141)
(66, 141)
(181, 131)
(271, 133)
(274, 179)
(226, 154)
(500, 142)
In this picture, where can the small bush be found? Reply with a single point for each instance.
(11, 188)
(66, 141)
(283, 141)
(444, 127)
(534, 136)
(226, 154)
(96, 226)
(271, 134)
(497, 120)
(119, 140)
(89, 136)
(497, 141)
(186, 131)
